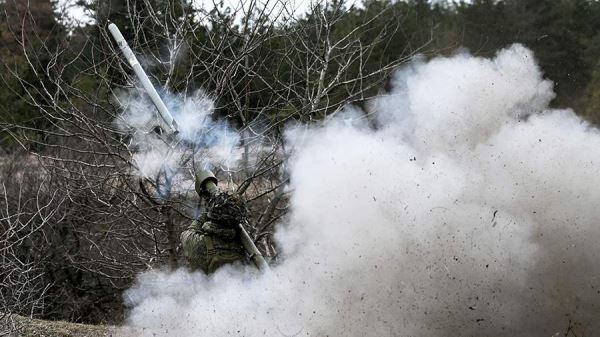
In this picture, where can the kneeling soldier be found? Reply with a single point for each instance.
(215, 240)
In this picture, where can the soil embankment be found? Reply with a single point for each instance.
(26, 327)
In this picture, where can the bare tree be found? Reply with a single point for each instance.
(28, 209)
(264, 65)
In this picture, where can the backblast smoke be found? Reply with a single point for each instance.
(202, 142)
(470, 209)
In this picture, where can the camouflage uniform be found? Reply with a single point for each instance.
(214, 240)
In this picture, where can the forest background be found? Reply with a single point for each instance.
(76, 225)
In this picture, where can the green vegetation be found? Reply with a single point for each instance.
(565, 36)
(58, 102)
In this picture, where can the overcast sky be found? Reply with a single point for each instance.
(77, 15)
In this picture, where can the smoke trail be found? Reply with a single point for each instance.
(202, 141)
(471, 209)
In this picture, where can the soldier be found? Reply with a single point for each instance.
(215, 240)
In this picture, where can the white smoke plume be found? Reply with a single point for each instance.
(471, 209)
(202, 141)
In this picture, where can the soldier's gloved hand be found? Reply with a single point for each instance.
(214, 229)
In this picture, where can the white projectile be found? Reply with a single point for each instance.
(145, 81)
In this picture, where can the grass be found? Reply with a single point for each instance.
(25, 327)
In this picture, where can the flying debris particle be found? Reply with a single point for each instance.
(404, 243)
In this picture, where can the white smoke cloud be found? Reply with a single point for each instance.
(471, 210)
(202, 141)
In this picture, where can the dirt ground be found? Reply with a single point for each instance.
(25, 327)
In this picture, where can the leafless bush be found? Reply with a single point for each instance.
(264, 66)
(27, 209)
